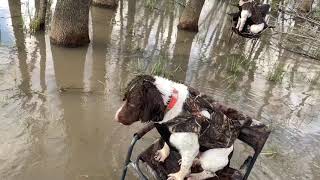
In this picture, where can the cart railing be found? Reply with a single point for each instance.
(138, 135)
(254, 136)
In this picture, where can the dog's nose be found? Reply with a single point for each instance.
(121, 119)
(116, 117)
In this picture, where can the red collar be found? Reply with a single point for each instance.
(173, 99)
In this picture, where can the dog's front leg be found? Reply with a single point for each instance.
(188, 147)
(243, 18)
(239, 22)
(163, 153)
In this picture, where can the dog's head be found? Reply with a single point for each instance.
(242, 2)
(142, 101)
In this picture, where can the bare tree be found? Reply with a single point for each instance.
(190, 15)
(305, 6)
(112, 4)
(70, 23)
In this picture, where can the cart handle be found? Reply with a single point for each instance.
(138, 135)
(144, 130)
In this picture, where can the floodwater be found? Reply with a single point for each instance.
(57, 104)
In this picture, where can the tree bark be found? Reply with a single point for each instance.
(112, 4)
(305, 6)
(42, 13)
(190, 15)
(38, 23)
(70, 23)
(181, 54)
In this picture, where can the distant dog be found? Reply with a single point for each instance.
(187, 121)
(252, 15)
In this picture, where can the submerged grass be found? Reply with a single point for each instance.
(234, 67)
(271, 152)
(151, 4)
(35, 25)
(276, 75)
(160, 67)
(231, 82)
(4, 101)
(238, 64)
(316, 14)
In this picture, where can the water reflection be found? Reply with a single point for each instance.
(43, 58)
(17, 25)
(58, 104)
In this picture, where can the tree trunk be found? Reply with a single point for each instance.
(190, 15)
(112, 4)
(70, 23)
(305, 6)
(38, 23)
(42, 13)
(181, 54)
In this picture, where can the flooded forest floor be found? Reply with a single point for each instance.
(57, 104)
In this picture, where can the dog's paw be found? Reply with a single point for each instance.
(161, 155)
(201, 175)
(193, 176)
(175, 176)
(190, 178)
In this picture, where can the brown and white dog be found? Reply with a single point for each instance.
(194, 122)
(250, 9)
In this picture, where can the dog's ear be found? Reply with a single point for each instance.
(153, 103)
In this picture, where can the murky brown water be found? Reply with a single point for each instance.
(57, 104)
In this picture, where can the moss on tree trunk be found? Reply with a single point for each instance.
(70, 23)
(112, 4)
(190, 15)
(38, 23)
